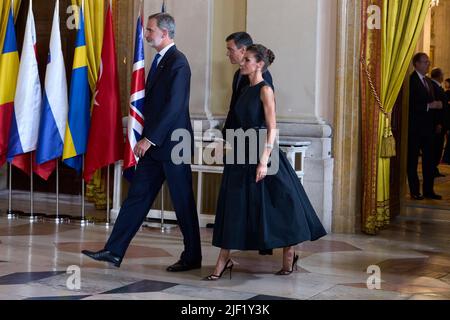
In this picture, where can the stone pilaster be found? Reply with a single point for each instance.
(347, 150)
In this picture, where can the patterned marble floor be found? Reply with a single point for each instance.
(413, 256)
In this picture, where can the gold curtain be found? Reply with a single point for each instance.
(5, 6)
(370, 74)
(402, 24)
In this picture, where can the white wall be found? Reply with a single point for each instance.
(326, 59)
(289, 29)
(193, 39)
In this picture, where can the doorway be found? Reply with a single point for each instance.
(434, 42)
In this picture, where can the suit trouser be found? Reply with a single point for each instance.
(439, 141)
(417, 143)
(147, 182)
(446, 157)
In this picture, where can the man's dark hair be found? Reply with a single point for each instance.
(417, 57)
(436, 73)
(241, 39)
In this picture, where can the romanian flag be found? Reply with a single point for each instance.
(78, 122)
(28, 99)
(9, 70)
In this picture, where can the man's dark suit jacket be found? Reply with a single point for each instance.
(440, 116)
(239, 84)
(166, 108)
(447, 112)
(421, 120)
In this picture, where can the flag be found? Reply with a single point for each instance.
(27, 102)
(9, 67)
(136, 116)
(105, 144)
(55, 105)
(77, 129)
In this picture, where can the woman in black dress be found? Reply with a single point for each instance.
(257, 210)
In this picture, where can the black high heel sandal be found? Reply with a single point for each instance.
(213, 277)
(283, 272)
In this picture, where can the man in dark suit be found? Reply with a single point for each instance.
(446, 157)
(437, 77)
(166, 110)
(237, 44)
(422, 128)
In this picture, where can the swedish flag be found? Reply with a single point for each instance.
(78, 122)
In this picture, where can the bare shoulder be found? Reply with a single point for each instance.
(266, 92)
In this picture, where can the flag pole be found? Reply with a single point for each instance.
(57, 192)
(107, 224)
(162, 209)
(33, 217)
(107, 198)
(83, 221)
(12, 214)
(164, 227)
(58, 218)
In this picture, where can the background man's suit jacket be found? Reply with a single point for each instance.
(421, 120)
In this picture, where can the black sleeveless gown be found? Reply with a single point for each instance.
(273, 213)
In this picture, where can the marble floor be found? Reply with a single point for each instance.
(412, 255)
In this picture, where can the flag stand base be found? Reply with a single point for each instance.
(13, 214)
(106, 225)
(166, 228)
(61, 219)
(82, 222)
(35, 217)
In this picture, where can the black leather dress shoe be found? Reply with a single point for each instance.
(433, 196)
(180, 266)
(104, 255)
(417, 196)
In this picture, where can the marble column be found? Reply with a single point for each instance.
(347, 150)
(440, 27)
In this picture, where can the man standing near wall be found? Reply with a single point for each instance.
(422, 129)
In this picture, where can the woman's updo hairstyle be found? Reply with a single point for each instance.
(262, 54)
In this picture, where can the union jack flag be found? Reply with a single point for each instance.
(136, 116)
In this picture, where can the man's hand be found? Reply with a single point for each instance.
(436, 105)
(141, 148)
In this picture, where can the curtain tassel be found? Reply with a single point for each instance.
(388, 145)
